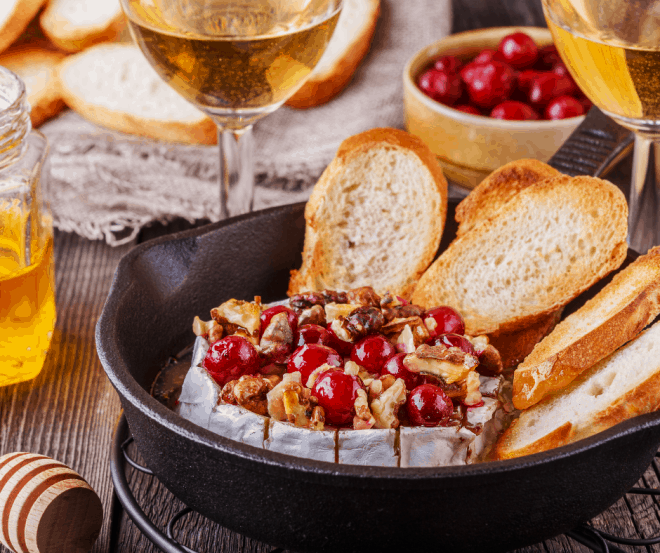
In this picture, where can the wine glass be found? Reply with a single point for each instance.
(236, 60)
(612, 50)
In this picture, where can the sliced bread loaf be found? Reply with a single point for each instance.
(349, 44)
(114, 85)
(497, 189)
(73, 25)
(548, 244)
(15, 15)
(621, 386)
(38, 69)
(614, 316)
(375, 216)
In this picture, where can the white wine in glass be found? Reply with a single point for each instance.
(237, 60)
(612, 50)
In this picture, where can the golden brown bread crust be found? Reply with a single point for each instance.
(18, 20)
(497, 189)
(322, 87)
(311, 275)
(558, 437)
(545, 372)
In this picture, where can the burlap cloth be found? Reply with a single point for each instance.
(105, 185)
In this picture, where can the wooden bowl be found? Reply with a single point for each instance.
(469, 147)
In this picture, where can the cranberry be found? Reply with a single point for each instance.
(561, 70)
(312, 334)
(563, 108)
(443, 320)
(586, 103)
(310, 357)
(441, 86)
(340, 346)
(548, 57)
(548, 86)
(449, 64)
(269, 313)
(518, 50)
(428, 405)
(336, 392)
(396, 368)
(490, 83)
(465, 108)
(485, 56)
(454, 341)
(230, 358)
(526, 78)
(514, 111)
(372, 352)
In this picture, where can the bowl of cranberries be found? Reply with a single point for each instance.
(483, 98)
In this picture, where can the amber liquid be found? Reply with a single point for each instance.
(27, 298)
(245, 59)
(620, 78)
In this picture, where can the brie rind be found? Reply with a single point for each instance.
(373, 447)
(491, 428)
(237, 423)
(490, 385)
(200, 348)
(301, 442)
(199, 395)
(434, 447)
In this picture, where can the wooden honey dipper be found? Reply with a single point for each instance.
(45, 507)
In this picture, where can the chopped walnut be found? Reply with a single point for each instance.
(359, 323)
(352, 368)
(389, 300)
(210, 330)
(316, 372)
(455, 390)
(315, 315)
(375, 388)
(296, 407)
(416, 326)
(363, 418)
(405, 341)
(249, 392)
(473, 396)
(385, 407)
(335, 310)
(298, 302)
(337, 326)
(364, 295)
(290, 381)
(396, 309)
(277, 338)
(317, 420)
(452, 364)
(240, 313)
(490, 361)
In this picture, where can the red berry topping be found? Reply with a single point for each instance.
(485, 56)
(442, 86)
(310, 357)
(372, 352)
(563, 108)
(269, 313)
(548, 57)
(443, 320)
(336, 392)
(548, 86)
(449, 64)
(514, 111)
(396, 368)
(526, 78)
(454, 341)
(518, 50)
(230, 358)
(561, 70)
(428, 405)
(342, 347)
(468, 109)
(490, 83)
(312, 334)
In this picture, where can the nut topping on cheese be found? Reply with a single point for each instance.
(277, 337)
(450, 364)
(363, 418)
(241, 313)
(250, 392)
(385, 407)
(335, 310)
(314, 315)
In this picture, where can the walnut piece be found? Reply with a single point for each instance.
(385, 407)
(490, 361)
(290, 381)
(249, 392)
(335, 310)
(451, 364)
(473, 396)
(364, 295)
(363, 418)
(315, 315)
(210, 330)
(277, 338)
(241, 313)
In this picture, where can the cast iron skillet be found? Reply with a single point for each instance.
(308, 505)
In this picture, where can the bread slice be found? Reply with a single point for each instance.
(74, 25)
(614, 316)
(348, 45)
(38, 69)
(622, 386)
(114, 85)
(548, 244)
(497, 189)
(15, 15)
(375, 217)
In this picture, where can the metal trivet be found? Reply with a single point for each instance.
(585, 534)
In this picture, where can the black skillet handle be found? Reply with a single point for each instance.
(594, 148)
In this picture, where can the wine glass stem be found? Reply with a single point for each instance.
(236, 175)
(644, 202)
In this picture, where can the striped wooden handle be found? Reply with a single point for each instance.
(45, 507)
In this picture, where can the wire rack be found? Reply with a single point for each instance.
(597, 540)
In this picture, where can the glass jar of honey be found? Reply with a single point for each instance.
(27, 298)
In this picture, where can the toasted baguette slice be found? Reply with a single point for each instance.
(497, 189)
(114, 85)
(38, 69)
(15, 15)
(621, 386)
(548, 244)
(74, 25)
(375, 216)
(617, 314)
(348, 45)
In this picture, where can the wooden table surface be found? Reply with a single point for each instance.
(69, 412)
